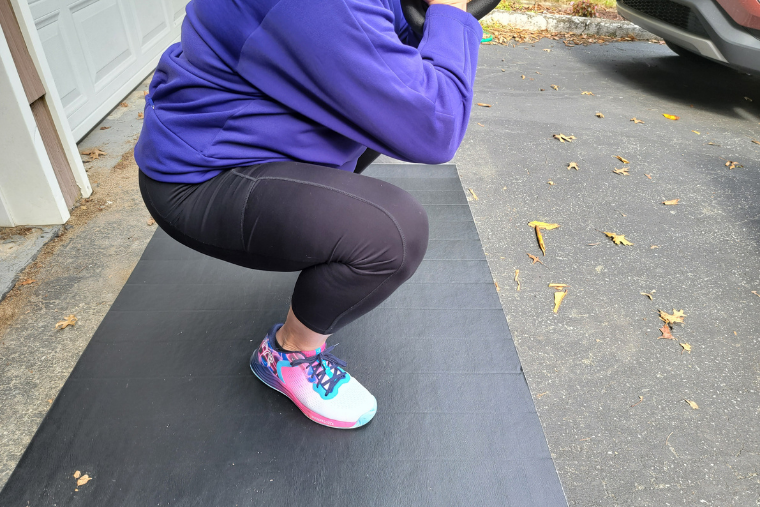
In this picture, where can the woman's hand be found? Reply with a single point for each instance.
(459, 4)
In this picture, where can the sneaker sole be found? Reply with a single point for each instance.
(264, 376)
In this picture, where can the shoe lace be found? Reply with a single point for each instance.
(319, 364)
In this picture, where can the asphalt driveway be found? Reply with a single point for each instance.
(589, 364)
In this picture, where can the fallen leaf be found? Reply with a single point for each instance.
(572, 165)
(473, 194)
(124, 104)
(753, 292)
(686, 347)
(558, 297)
(70, 321)
(672, 319)
(140, 115)
(618, 239)
(104, 128)
(523, 76)
(550, 182)
(653, 247)
(482, 104)
(27, 282)
(636, 120)
(756, 142)
(539, 395)
(563, 138)
(50, 401)
(713, 144)
(599, 115)
(93, 153)
(592, 244)
(481, 124)
(692, 404)
(671, 202)
(558, 286)
(534, 259)
(549, 50)
(748, 99)
(623, 171)
(503, 70)
(555, 87)
(543, 225)
(641, 398)
(647, 295)
(733, 165)
(145, 92)
(151, 221)
(586, 93)
(497, 285)
(621, 159)
(517, 278)
(666, 335)
(83, 480)
(77, 474)
(671, 116)
(648, 176)
(696, 132)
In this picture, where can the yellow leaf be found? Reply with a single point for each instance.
(619, 239)
(623, 171)
(672, 319)
(647, 295)
(543, 225)
(572, 165)
(481, 104)
(140, 115)
(622, 159)
(635, 120)
(599, 115)
(671, 116)
(563, 138)
(586, 93)
(523, 76)
(733, 165)
(83, 480)
(497, 285)
(696, 132)
(557, 286)
(671, 202)
(93, 153)
(540, 239)
(473, 194)
(692, 404)
(555, 87)
(686, 347)
(534, 259)
(648, 176)
(756, 142)
(558, 297)
(517, 278)
(70, 321)
(77, 474)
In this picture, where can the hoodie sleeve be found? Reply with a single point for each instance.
(342, 64)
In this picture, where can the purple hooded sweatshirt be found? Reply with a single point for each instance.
(315, 81)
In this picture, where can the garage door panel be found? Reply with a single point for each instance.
(59, 55)
(178, 9)
(102, 31)
(152, 22)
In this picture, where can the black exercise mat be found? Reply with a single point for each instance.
(162, 408)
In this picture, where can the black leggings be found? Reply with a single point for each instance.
(355, 239)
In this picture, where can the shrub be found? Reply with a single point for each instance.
(583, 8)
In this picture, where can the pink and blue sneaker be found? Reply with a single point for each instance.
(316, 382)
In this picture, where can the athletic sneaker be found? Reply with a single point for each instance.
(316, 382)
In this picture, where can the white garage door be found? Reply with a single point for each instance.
(98, 50)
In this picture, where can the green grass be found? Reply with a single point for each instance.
(510, 5)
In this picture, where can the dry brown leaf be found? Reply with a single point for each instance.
(538, 226)
(482, 104)
(618, 239)
(713, 144)
(586, 93)
(534, 259)
(555, 87)
(83, 480)
(539, 395)
(647, 295)
(623, 171)
(648, 176)
(671, 202)
(563, 138)
(641, 398)
(756, 142)
(653, 247)
(550, 182)
(621, 159)
(145, 93)
(93, 153)
(27, 282)
(733, 165)
(70, 321)
(572, 165)
(77, 474)
(686, 348)
(509, 35)
(481, 124)
(696, 132)
(473, 194)
(124, 104)
(692, 404)
(671, 116)
(666, 335)
(547, 50)
(497, 285)
(140, 115)
(543, 225)
(636, 120)
(151, 221)
(104, 128)
(517, 278)
(523, 76)
(753, 292)
(672, 319)
(558, 286)
(558, 297)
(599, 115)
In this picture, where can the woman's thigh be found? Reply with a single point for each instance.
(287, 216)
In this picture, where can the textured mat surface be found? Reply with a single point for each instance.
(162, 408)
